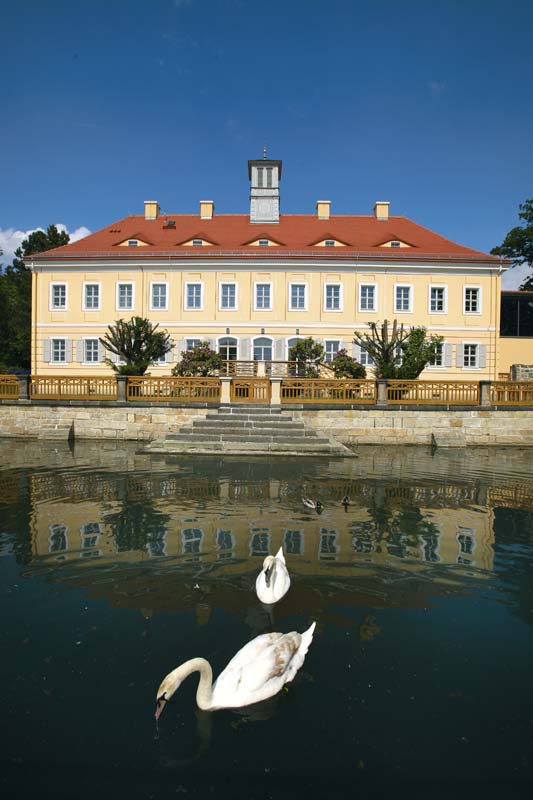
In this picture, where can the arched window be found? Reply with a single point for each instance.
(263, 349)
(227, 347)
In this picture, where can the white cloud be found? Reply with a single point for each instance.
(514, 277)
(10, 239)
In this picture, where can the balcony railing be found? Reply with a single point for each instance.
(505, 393)
(433, 393)
(185, 390)
(9, 387)
(53, 387)
(308, 390)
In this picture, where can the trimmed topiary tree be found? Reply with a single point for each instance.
(308, 355)
(138, 343)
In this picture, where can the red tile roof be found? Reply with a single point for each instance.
(298, 234)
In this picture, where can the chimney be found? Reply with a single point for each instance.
(207, 209)
(322, 209)
(381, 210)
(151, 209)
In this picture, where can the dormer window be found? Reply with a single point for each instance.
(132, 242)
(263, 243)
(197, 242)
(330, 243)
(394, 243)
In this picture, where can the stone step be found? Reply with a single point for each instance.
(245, 424)
(254, 409)
(223, 430)
(249, 449)
(239, 437)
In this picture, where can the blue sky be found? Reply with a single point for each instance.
(110, 102)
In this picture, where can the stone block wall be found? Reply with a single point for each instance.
(522, 372)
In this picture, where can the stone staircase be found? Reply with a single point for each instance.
(248, 430)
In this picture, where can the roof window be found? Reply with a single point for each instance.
(197, 242)
(329, 243)
(395, 243)
(132, 242)
(263, 243)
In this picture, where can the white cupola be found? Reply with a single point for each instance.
(265, 175)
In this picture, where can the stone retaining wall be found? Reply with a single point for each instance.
(458, 427)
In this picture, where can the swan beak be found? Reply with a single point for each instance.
(160, 706)
(268, 573)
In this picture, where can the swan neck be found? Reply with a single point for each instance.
(204, 693)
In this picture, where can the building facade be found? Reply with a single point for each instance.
(253, 284)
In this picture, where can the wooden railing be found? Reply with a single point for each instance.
(433, 393)
(281, 369)
(9, 387)
(308, 390)
(53, 387)
(505, 393)
(186, 390)
(251, 390)
(231, 368)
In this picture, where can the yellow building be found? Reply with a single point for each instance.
(252, 284)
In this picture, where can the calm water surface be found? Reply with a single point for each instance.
(117, 566)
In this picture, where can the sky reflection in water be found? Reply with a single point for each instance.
(119, 566)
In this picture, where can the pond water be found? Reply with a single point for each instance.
(118, 566)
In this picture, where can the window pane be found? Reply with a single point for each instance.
(332, 348)
(438, 361)
(366, 360)
(92, 295)
(194, 295)
(58, 350)
(470, 355)
(159, 295)
(437, 299)
(228, 295)
(471, 300)
(125, 295)
(333, 297)
(263, 295)
(91, 350)
(59, 296)
(367, 298)
(192, 343)
(402, 298)
(263, 350)
(297, 296)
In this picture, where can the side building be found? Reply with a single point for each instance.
(253, 284)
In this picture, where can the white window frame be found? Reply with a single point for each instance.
(445, 299)
(330, 242)
(264, 283)
(117, 298)
(228, 308)
(326, 341)
(58, 339)
(360, 297)
(479, 310)
(366, 354)
(191, 339)
(411, 304)
(52, 306)
(262, 336)
(197, 242)
(229, 336)
(90, 339)
(186, 305)
(340, 309)
(470, 344)
(306, 295)
(84, 305)
(158, 308)
(439, 366)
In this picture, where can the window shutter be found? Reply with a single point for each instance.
(169, 357)
(245, 349)
(279, 350)
(356, 352)
(180, 348)
(112, 357)
(459, 355)
(447, 354)
(80, 355)
(101, 351)
(47, 349)
(68, 350)
(482, 355)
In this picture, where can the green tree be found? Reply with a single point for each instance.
(397, 353)
(15, 297)
(138, 343)
(201, 361)
(347, 367)
(308, 355)
(518, 244)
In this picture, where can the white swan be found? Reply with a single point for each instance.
(273, 581)
(257, 671)
(308, 503)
